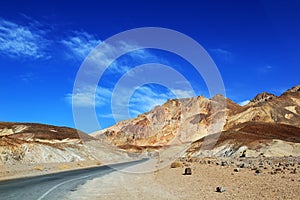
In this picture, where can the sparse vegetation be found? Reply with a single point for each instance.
(98, 163)
(176, 164)
(39, 168)
(64, 166)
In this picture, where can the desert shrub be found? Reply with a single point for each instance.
(98, 163)
(63, 166)
(176, 164)
(40, 168)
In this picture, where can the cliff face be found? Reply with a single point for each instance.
(191, 119)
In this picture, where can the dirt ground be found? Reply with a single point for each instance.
(255, 179)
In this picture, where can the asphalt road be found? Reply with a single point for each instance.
(54, 186)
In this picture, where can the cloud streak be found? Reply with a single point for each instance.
(88, 97)
(243, 103)
(222, 54)
(80, 44)
(33, 40)
(18, 40)
(146, 98)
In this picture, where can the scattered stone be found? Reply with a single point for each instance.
(236, 170)
(294, 171)
(242, 165)
(261, 155)
(220, 189)
(243, 155)
(223, 163)
(269, 162)
(254, 168)
(272, 172)
(287, 164)
(188, 171)
(257, 171)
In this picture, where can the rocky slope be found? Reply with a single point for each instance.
(266, 121)
(176, 121)
(39, 143)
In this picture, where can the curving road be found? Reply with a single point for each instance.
(54, 186)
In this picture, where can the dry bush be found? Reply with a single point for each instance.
(98, 163)
(64, 166)
(40, 168)
(176, 164)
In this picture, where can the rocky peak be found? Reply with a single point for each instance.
(264, 96)
(218, 97)
(293, 89)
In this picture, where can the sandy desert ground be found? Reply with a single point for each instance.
(257, 178)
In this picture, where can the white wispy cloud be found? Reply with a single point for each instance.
(26, 77)
(222, 53)
(18, 40)
(146, 98)
(244, 102)
(80, 44)
(265, 69)
(88, 97)
(124, 65)
(179, 93)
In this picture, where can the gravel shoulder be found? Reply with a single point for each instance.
(8, 172)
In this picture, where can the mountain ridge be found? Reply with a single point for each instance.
(199, 117)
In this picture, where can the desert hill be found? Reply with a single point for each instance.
(22, 143)
(268, 122)
(34, 131)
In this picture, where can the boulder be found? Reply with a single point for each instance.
(188, 171)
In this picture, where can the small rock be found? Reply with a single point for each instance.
(243, 155)
(236, 170)
(223, 163)
(242, 165)
(257, 171)
(188, 171)
(220, 189)
(294, 171)
(272, 172)
(254, 168)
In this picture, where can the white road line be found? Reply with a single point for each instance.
(54, 187)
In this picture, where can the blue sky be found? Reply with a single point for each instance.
(255, 45)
